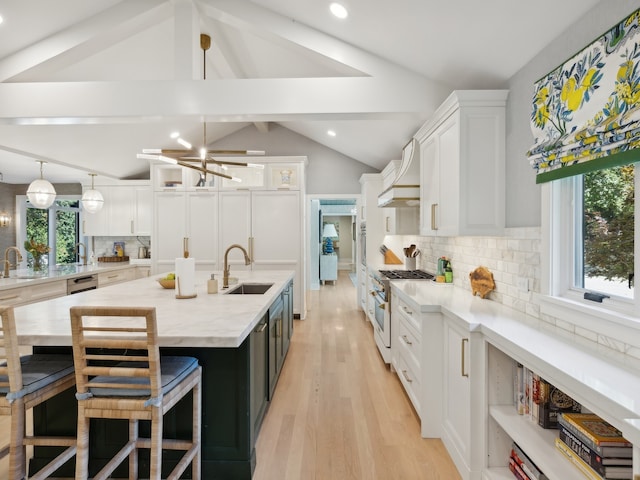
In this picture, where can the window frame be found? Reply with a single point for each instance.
(559, 297)
(21, 226)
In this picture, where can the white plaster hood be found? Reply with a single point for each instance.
(404, 190)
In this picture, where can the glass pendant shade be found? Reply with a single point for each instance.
(41, 193)
(92, 201)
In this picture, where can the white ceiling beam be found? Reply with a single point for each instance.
(187, 54)
(262, 22)
(245, 100)
(86, 38)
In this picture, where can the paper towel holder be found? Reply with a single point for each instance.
(178, 295)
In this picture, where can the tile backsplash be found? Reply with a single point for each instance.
(103, 246)
(514, 259)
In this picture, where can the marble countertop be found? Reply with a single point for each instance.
(23, 277)
(208, 320)
(594, 375)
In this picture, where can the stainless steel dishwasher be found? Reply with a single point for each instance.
(82, 284)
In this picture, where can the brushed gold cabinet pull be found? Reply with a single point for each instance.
(83, 227)
(408, 312)
(131, 226)
(462, 358)
(406, 340)
(261, 327)
(386, 224)
(406, 377)
(434, 225)
(383, 306)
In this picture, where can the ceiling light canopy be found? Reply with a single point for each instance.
(41, 193)
(201, 155)
(92, 200)
(331, 133)
(338, 10)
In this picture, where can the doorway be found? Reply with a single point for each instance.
(339, 210)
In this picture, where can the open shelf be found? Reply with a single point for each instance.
(536, 442)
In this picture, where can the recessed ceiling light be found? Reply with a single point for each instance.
(338, 10)
(175, 135)
(331, 133)
(0, 18)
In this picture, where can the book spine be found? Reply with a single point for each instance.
(526, 464)
(535, 397)
(586, 454)
(519, 388)
(592, 438)
(517, 471)
(577, 461)
(571, 428)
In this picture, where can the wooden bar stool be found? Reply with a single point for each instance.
(120, 375)
(26, 382)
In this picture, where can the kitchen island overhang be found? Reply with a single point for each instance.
(215, 328)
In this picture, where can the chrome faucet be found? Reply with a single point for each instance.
(76, 249)
(7, 263)
(225, 276)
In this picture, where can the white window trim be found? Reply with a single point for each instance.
(615, 318)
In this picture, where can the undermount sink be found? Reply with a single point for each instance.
(250, 289)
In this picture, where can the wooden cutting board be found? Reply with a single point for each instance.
(124, 258)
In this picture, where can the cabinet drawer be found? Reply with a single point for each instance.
(14, 296)
(410, 381)
(408, 313)
(47, 290)
(409, 345)
(116, 276)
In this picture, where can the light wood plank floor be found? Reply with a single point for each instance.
(338, 412)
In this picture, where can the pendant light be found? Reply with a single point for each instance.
(92, 200)
(41, 193)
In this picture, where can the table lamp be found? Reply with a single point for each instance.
(329, 232)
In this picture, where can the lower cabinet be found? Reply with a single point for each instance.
(259, 361)
(329, 268)
(275, 344)
(456, 409)
(116, 276)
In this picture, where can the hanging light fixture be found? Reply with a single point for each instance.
(197, 159)
(41, 193)
(92, 200)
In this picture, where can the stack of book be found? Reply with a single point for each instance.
(522, 467)
(597, 448)
(540, 400)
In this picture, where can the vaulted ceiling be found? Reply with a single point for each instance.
(87, 84)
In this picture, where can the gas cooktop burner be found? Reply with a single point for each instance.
(406, 274)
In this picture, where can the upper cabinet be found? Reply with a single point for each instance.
(126, 211)
(462, 155)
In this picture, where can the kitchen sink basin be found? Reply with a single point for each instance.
(250, 289)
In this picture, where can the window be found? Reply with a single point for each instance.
(591, 229)
(58, 226)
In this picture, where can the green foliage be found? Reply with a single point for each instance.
(66, 236)
(609, 223)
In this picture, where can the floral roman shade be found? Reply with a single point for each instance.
(586, 112)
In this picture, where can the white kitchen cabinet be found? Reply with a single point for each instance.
(462, 165)
(401, 221)
(268, 224)
(329, 268)
(180, 215)
(417, 357)
(126, 211)
(456, 408)
(33, 293)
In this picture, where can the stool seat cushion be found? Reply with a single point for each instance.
(172, 371)
(38, 371)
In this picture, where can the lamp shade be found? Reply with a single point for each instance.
(41, 193)
(329, 231)
(92, 201)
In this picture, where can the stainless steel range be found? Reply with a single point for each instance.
(381, 292)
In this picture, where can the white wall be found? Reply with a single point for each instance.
(327, 172)
(522, 193)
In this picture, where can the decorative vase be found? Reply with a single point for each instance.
(37, 263)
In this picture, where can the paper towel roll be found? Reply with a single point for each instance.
(185, 277)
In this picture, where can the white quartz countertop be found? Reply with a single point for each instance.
(25, 277)
(208, 320)
(593, 375)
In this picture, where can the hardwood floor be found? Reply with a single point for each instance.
(338, 412)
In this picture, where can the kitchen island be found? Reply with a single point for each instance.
(223, 331)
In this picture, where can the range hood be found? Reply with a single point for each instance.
(405, 188)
